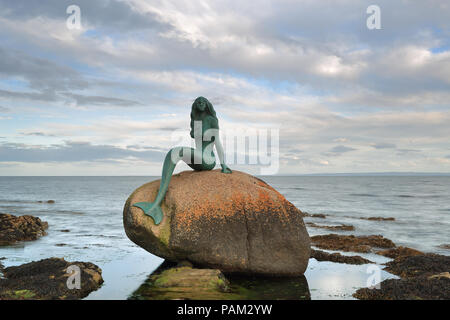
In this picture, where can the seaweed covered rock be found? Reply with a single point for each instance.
(417, 288)
(353, 243)
(337, 257)
(47, 279)
(20, 228)
(342, 227)
(424, 276)
(231, 222)
(419, 265)
(378, 218)
(399, 252)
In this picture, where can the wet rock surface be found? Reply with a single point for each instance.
(378, 218)
(47, 279)
(419, 265)
(20, 228)
(343, 227)
(314, 215)
(424, 276)
(337, 257)
(352, 243)
(231, 222)
(183, 281)
(418, 288)
(399, 252)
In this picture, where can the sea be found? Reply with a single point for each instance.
(85, 223)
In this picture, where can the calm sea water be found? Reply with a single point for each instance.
(90, 208)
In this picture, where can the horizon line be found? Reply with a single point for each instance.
(383, 173)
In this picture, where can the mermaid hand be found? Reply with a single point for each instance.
(152, 210)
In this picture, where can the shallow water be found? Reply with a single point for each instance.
(90, 208)
(420, 205)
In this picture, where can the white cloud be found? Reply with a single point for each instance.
(307, 67)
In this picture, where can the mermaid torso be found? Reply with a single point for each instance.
(204, 143)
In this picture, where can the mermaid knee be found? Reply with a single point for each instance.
(171, 160)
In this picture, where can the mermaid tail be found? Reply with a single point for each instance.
(151, 209)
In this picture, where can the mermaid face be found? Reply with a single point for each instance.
(200, 105)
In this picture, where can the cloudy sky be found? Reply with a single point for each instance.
(106, 98)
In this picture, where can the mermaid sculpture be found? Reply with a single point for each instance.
(204, 129)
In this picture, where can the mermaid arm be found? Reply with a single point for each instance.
(220, 154)
(219, 148)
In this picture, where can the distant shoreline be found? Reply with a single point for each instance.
(371, 174)
(362, 174)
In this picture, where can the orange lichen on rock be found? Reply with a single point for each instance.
(228, 221)
(234, 195)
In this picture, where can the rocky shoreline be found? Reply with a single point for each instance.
(351, 243)
(45, 279)
(337, 257)
(248, 239)
(259, 239)
(423, 277)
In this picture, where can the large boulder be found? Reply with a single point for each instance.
(232, 222)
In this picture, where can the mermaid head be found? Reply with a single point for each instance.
(199, 106)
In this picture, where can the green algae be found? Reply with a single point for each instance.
(210, 284)
(20, 294)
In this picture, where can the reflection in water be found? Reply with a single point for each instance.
(259, 288)
(329, 280)
(168, 283)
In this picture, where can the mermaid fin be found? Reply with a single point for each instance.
(151, 210)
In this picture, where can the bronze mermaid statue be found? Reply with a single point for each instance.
(205, 132)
